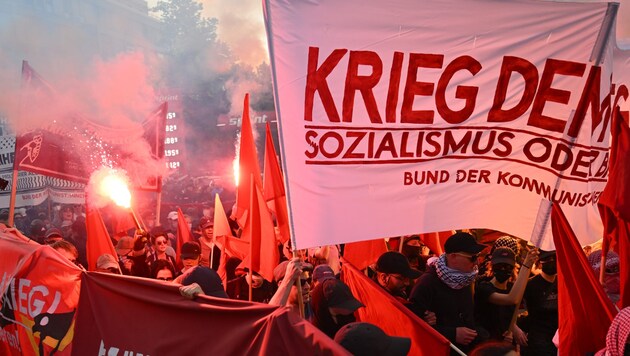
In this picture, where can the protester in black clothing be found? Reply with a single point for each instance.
(238, 288)
(541, 299)
(445, 289)
(496, 297)
(333, 306)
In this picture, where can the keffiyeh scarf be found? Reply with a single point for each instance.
(452, 277)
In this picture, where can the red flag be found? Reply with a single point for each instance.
(584, 310)
(260, 234)
(183, 235)
(614, 203)
(248, 166)
(275, 195)
(230, 246)
(435, 240)
(389, 314)
(98, 240)
(364, 253)
(155, 134)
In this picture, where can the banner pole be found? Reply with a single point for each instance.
(158, 203)
(13, 193)
(544, 210)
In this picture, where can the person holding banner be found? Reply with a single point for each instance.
(446, 290)
(496, 297)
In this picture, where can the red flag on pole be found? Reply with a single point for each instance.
(274, 192)
(230, 246)
(260, 234)
(584, 310)
(614, 203)
(183, 235)
(221, 224)
(98, 240)
(389, 314)
(248, 166)
(364, 253)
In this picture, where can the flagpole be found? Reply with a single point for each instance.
(542, 219)
(158, 203)
(13, 190)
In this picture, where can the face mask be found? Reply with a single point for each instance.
(611, 283)
(549, 268)
(502, 276)
(345, 319)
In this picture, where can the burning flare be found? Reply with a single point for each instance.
(115, 186)
(235, 168)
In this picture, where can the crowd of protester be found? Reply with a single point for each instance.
(498, 298)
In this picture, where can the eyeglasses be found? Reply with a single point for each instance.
(398, 277)
(472, 258)
(161, 242)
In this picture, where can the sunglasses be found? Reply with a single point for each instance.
(161, 242)
(164, 279)
(472, 258)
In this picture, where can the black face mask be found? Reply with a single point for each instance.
(345, 319)
(549, 268)
(502, 276)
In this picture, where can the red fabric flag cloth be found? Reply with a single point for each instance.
(616, 195)
(98, 240)
(147, 313)
(248, 167)
(155, 134)
(274, 191)
(40, 294)
(183, 235)
(260, 233)
(435, 240)
(364, 253)
(584, 310)
(384, 311)
(614, 204)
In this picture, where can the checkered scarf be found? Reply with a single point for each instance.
(618, 333)
(452, 277)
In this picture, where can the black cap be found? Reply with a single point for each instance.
(339, 297)
(368, 339)
(208, 280)
(322, 272)
(503, 255)
(463, 242)
(546, 254)
(395, 262)
(190, 250)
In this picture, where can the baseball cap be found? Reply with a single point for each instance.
(322, 272)
(172, 215)
(368, 339)
(208, 280)
(503, 255)
(205, 222)
(546, 254)
(124, 245)
(339, 296)
(53, 232)
(463, 242)
(396, 262)
(106, 261)
(190, 250)
(281, 270)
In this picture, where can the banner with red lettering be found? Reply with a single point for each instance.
(40, 293)
(399, 119)
(621, 80)
(129, 315)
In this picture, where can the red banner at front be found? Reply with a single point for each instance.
(129, 315)
(40, 293)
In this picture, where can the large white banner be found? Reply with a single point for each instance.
(400, 117)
